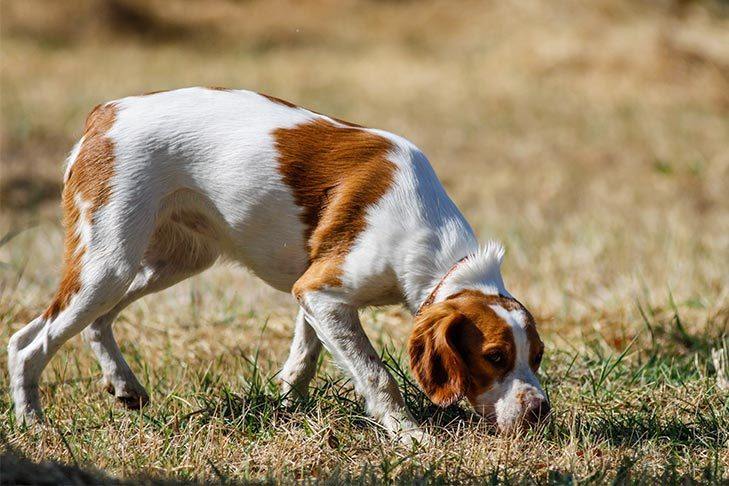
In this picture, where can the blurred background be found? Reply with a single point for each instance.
(592, 138)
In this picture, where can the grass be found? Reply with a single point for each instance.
(590, 138)
(647, 403)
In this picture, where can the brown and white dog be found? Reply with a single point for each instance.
(159, 186)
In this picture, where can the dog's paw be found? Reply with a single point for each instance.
(133, 401)
(130, 396)
(28, 410)
(293, 400)
(31, 418)
(416, 437)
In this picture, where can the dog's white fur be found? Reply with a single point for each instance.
(213, 151)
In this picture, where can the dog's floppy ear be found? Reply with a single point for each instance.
(434, 358)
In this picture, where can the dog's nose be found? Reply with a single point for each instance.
(537, 412)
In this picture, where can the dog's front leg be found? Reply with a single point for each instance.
(338, 327)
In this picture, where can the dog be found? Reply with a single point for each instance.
(342, 216)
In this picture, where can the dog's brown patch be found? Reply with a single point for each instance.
(335, 174)
(89, 179)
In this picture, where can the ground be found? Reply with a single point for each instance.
(592, 138)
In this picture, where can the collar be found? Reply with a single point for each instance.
(431, 296)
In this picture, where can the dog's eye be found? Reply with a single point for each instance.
(496, 358)
(538, 358)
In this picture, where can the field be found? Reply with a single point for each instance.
(592, 138)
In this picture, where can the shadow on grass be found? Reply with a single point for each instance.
(18, 470)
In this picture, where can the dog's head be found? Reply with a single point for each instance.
(485, 348)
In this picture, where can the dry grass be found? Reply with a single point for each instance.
(592, 138)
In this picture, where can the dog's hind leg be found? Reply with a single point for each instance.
(300, 367)
(104, 245)
(118, 378)
(90, 287)
(172, 256)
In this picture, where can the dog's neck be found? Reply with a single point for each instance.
(450, 268)
(430, 299)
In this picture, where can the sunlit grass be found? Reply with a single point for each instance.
(639, 413)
